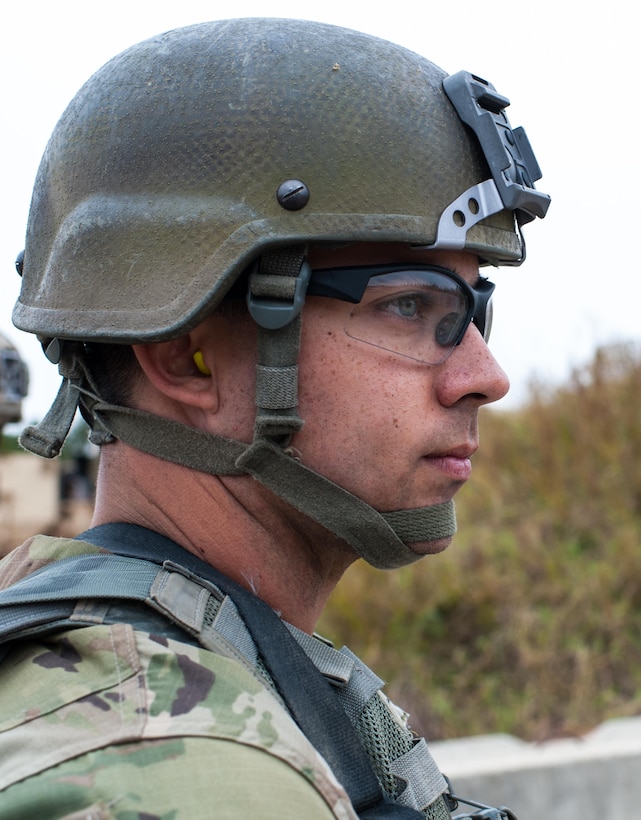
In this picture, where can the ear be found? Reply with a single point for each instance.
(173, 371)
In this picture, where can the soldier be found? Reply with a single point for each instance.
(253, 252)
(14, 383)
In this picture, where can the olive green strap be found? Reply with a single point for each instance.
(276, 294)
(379, 538)
(373, 535)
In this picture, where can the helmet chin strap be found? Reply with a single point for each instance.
(277, 287)
(382, 539)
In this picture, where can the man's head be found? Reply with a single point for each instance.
(266, 152)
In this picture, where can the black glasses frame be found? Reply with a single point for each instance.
(349, 283)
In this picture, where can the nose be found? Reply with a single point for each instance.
(471, 372)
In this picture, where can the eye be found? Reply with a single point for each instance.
(406, 305)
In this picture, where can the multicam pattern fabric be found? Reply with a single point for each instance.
(108, 722)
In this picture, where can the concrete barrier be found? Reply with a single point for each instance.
(595, 777)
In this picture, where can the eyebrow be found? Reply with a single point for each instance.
(474, 284)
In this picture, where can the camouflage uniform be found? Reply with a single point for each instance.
(107, 721)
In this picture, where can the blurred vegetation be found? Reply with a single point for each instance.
(530, 623)
(9, 444)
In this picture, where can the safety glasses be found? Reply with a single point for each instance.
(418, 311)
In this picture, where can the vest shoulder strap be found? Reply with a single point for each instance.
(46, 600)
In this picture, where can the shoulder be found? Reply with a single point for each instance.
(110, 705)
(36, 553)
(183, 778)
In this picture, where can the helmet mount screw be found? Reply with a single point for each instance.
(20, 262)
(293, 194)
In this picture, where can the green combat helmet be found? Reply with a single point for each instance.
(201, 152)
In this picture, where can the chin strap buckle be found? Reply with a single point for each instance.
(277, 287)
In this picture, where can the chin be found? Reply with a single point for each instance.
(430, 547)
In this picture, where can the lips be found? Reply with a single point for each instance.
(455, 463)
(458, 469)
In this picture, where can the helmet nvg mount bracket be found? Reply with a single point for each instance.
(509, 156)
(203, 151)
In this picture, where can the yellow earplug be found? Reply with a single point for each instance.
(200, 364)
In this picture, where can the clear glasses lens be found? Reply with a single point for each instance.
(421, 314)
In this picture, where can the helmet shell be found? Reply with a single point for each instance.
(159, 183)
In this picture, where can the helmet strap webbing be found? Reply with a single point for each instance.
(273, 286)
(380, 538)
(46, 438)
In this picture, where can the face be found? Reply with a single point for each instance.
(394, 431)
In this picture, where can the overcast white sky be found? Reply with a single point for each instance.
(569, 70)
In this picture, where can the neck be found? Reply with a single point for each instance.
(232, 523)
